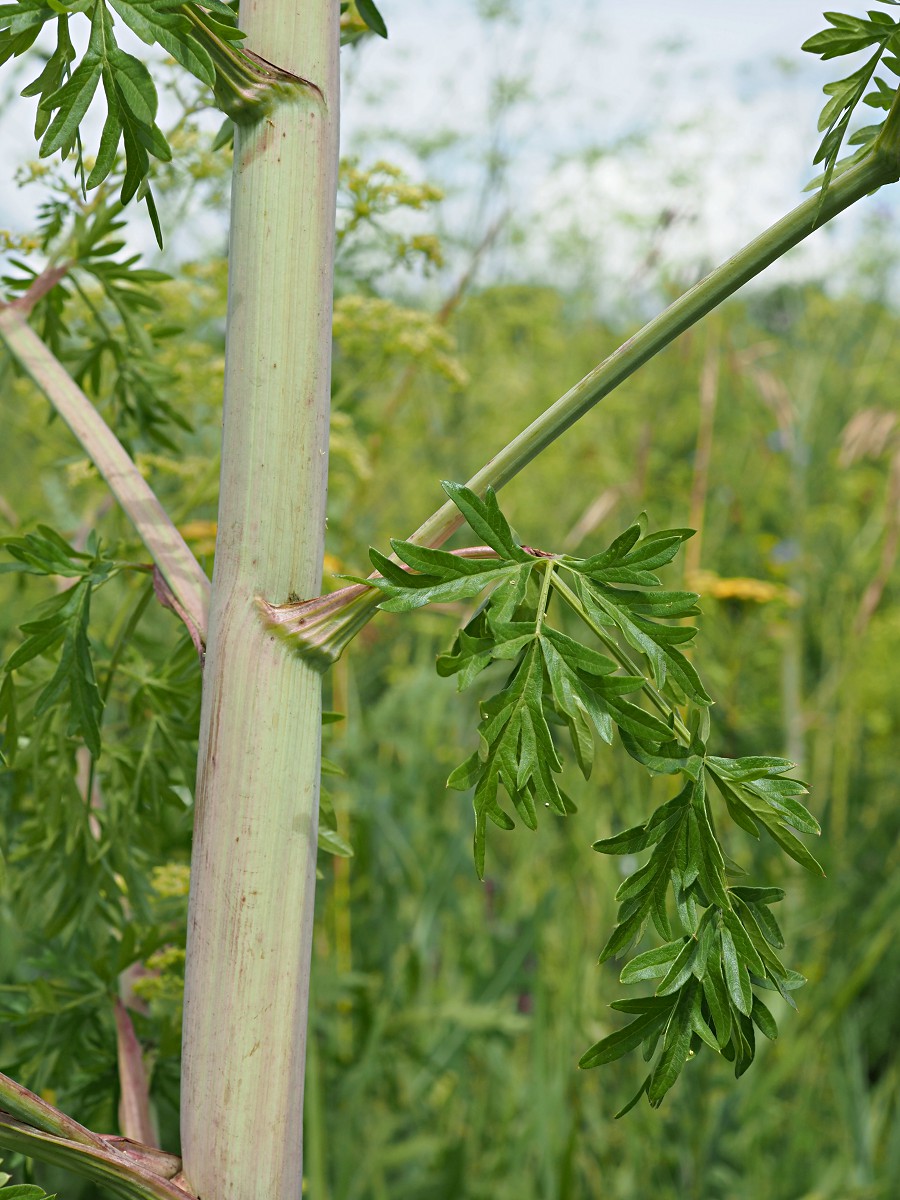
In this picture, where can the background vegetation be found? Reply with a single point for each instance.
(448, 1015)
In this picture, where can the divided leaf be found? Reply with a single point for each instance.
(486, 519)
(62, 621)
(66, 623)
(705, 978)
(201, 37)
(851, 35)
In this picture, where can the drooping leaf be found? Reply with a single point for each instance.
(559, 682)
(372, 17)
(652, 964)
(610, 1048)
(676, 1045)
(736, 978)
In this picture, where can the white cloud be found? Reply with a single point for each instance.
(704, 108)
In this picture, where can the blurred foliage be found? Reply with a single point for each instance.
(447, 1014)
(442, 1063)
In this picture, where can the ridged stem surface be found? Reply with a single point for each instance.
(254, 851)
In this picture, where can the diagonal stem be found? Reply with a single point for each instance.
(880, 167)
(124, 1176)
(29, 1108)
(35, 1128)
(176, 563)
(687, 310)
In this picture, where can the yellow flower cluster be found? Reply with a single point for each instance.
(164, 983)
(364, 323)
(752, 591)
(385, 186)
(20, 242)
(171, 879)
(370, 200)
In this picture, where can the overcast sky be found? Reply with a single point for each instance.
(704, 110)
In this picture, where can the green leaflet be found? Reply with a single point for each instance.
(736, 977)
(329, 839)
(21, 1191)
(670, 759)
(73, 680)
(444, 592)
(372, 17)
(65, 94)
(634, 1099)
(780, 795)
(202, 38)
(616, 1044)
(556, 684)
(652, 963)
(44, 553)
(699, 1024)
(676, 1044)
(757, 793)
(171, 29)
(643, 894)
(710, 862)
(486, 519)
(763, 1019)
(680, 971)
(62, 621)
(791, 845)
(517, 751)
(468, 657)
(71, 102)
(116, 359)
(651, 638)
(851, 35)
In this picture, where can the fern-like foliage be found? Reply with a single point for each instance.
(878, 35)
(194, 35)
(626, 675)
(202, 37)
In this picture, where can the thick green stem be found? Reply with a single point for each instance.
(880, 167)
(253, 862)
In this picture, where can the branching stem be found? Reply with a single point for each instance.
(880, 167)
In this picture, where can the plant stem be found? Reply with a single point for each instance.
(880, 167)
(35, 1128)
(116, 1171)
(877, 169)
(29, 1108)
(254, 852)
(168, 549)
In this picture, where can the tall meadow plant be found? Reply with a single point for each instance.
(614, 666)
